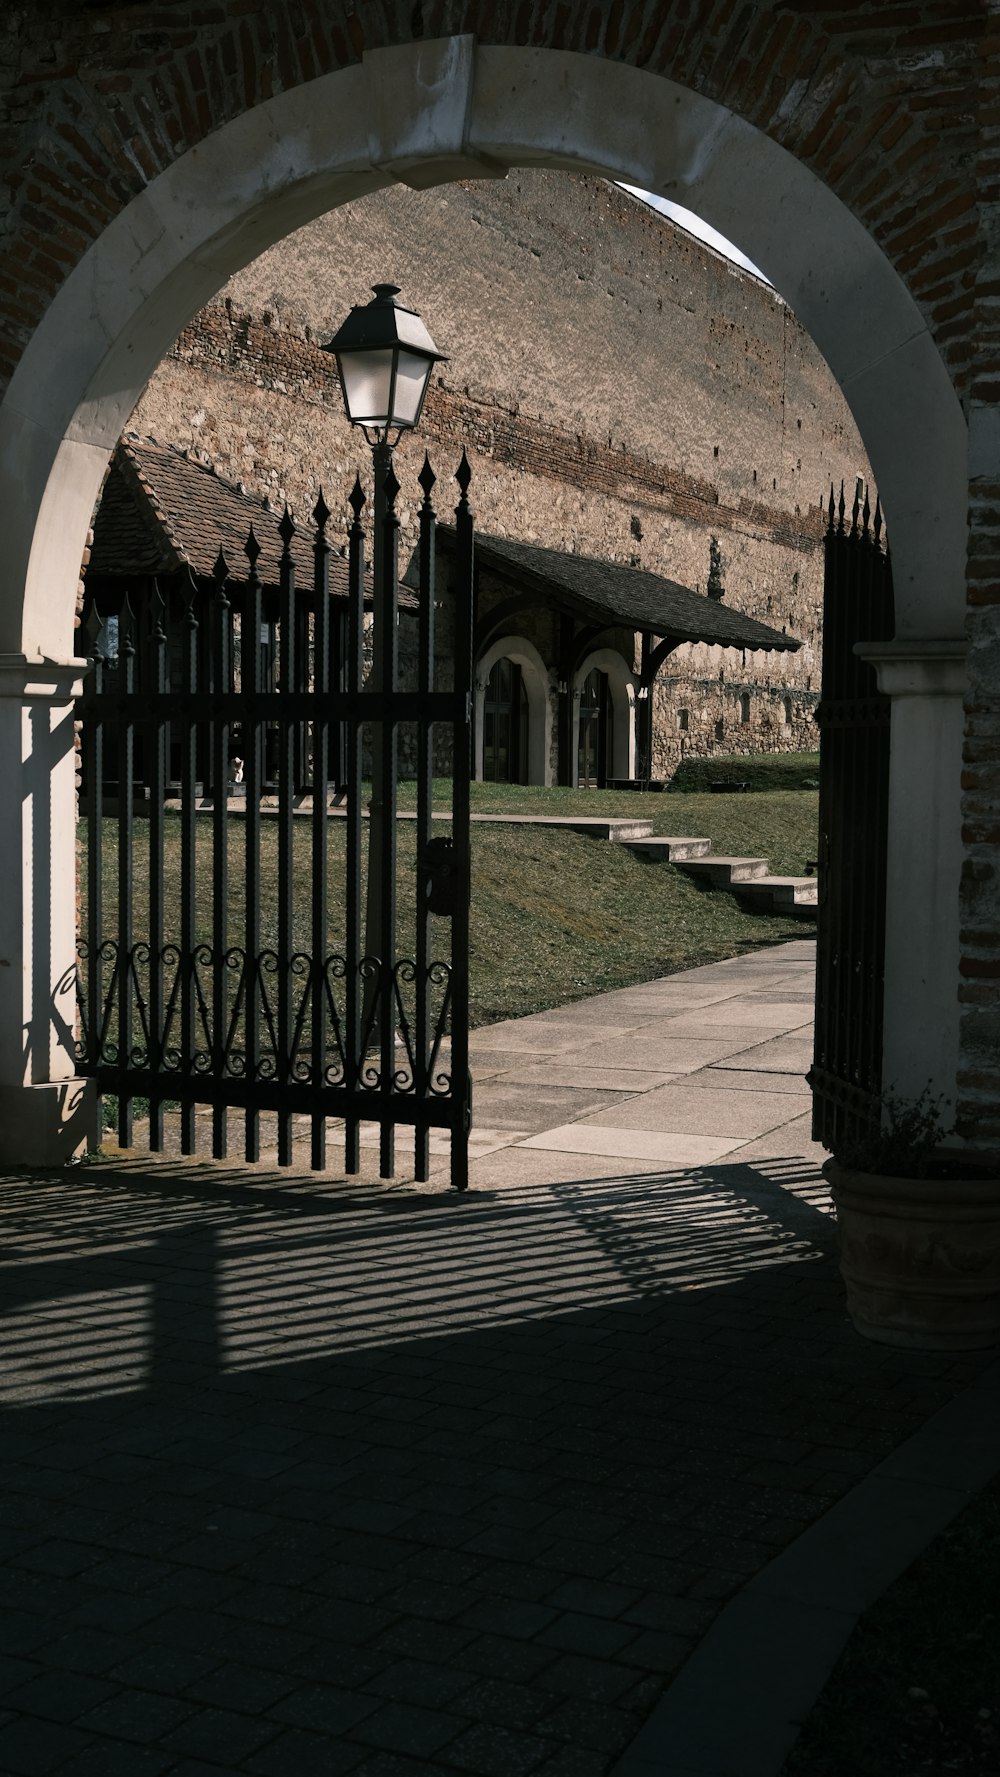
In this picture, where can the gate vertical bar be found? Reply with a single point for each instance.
(425, 775)
(320, 817)
(221, 684)
(289, 731)
(126, 878)
(354, 1045)
(188, 873)
(852, 808)
(159, 739)
(883, 595)
(250, 687)
(853, 717)
(93, 759)
(461, 1081)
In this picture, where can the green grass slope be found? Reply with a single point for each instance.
(555, 915)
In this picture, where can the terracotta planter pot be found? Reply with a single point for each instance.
(920, 1257)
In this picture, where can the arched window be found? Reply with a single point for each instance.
(505, 725)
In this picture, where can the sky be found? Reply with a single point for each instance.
(694, 225)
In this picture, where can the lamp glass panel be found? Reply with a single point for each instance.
(367, 376)
(411, 380)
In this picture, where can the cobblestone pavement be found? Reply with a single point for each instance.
(303, 1476)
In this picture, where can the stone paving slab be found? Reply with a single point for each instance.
(543, 1036)
(670, 1148)
(725, 1076)
(678, 1052)
(681, 1109)
(632, 1005)
(550, 1073)
(782, 1055)
(305, 1474)
(769, 1014)
(506, 1105)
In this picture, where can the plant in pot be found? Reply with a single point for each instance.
(919, 1229)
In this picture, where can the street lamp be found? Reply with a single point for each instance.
(385, 357)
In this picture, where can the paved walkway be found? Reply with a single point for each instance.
(306, 1476)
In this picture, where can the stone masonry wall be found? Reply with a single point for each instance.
(621, 390)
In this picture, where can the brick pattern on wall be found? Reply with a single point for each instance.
(622, 391)
(240, 345)
(95, 101)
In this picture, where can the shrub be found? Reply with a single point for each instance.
(760, 771)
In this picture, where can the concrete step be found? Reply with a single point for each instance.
(780, 894)
(718, 872)
(618, 830)
(659, 850)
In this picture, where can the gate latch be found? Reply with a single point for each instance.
(439, 869)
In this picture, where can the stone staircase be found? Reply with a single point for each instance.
(747, 878)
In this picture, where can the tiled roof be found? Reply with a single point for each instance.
(631, 596)
(161, 511)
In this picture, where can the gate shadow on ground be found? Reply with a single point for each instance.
(441, 1480)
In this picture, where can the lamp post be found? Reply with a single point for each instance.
(385, 357)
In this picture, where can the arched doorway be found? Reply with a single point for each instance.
(603, 720)
(426, 113)
(595, 731)
(513, 716)
(505, 725)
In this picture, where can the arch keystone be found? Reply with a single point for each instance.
(421, 104)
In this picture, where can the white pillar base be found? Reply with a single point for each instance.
(47, 1115)
(48, 1125)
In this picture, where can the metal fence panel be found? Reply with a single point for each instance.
(853, 718)
(234, 880)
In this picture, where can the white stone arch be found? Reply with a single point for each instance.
(535, 678)
(621, 684)
(425, 113)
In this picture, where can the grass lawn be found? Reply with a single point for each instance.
(916, 1692)
(555, 916)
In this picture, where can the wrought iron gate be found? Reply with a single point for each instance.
(853, 717)
(227, 957)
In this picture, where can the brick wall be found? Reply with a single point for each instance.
(95, 101)
(979, 993)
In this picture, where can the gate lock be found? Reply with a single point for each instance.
(439, 868)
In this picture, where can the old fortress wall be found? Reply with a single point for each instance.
(622, 391)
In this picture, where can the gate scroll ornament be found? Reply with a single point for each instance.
(227, 985)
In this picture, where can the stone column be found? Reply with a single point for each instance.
(46, 1115)
(926, 681)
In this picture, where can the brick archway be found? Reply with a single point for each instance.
(424, 114)
(205, 186)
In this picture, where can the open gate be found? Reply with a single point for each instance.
(853, 718)
(251, 941)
